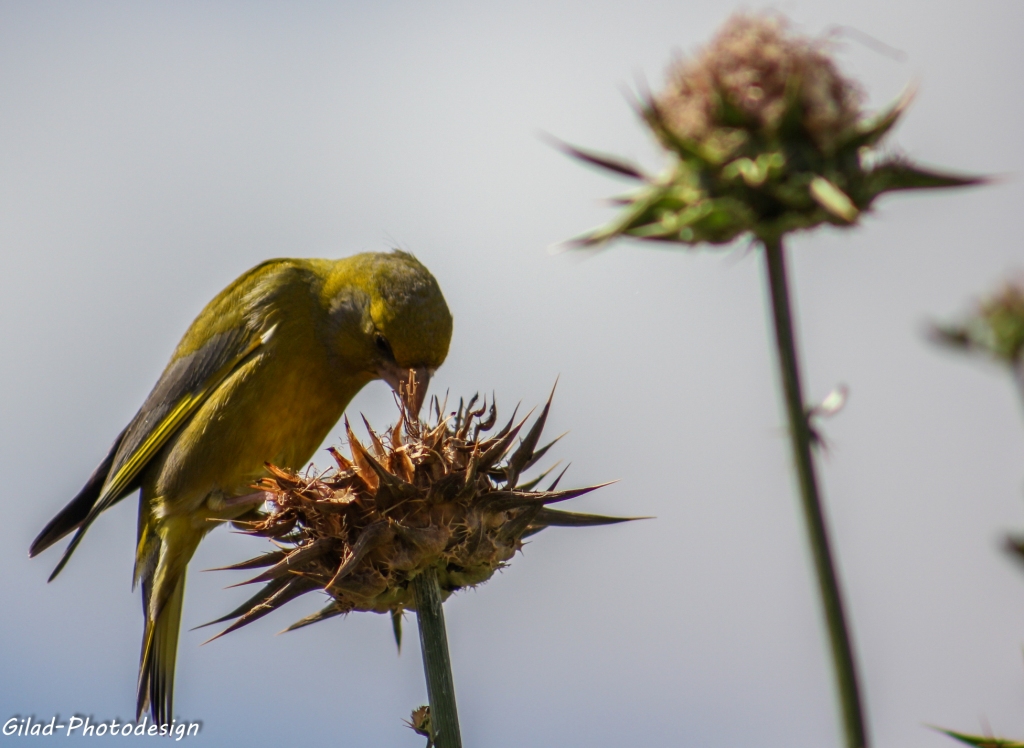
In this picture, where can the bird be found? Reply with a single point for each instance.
(260, 376)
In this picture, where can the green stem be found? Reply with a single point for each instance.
(1017, 369)
(800, 436)
(437, 667)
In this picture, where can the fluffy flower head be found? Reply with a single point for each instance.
(750, 74)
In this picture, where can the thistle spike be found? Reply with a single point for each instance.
(396, 627)
(266, 559)
(525, 452)
(329, 611)
(378, 446)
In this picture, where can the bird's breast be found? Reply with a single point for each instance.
(277, 408)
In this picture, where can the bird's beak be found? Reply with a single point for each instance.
(410, 385)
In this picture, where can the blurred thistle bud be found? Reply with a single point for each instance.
(766, 137)
(996, 327)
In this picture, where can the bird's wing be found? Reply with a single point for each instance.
(70, 518)
(185, 384)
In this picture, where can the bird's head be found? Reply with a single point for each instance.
(388, 320)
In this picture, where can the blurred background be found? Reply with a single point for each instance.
(150, 153)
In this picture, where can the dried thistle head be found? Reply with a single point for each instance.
(420, 723)
(996, 327)
(766, 137)
(445, 496)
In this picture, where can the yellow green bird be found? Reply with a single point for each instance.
(261, 375)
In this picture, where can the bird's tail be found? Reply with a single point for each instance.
(159, 652)
(165, 547)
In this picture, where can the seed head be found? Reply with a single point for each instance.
(446, 496)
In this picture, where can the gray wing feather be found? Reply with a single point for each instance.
(185, 376)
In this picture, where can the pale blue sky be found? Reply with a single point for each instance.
(149, 153)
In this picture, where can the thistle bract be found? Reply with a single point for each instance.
(766, 137)
(445, 496)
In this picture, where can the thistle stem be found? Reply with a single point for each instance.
(1017, 369)
(437, 666)
(801, 439)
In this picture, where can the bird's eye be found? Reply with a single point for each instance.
(384, 346)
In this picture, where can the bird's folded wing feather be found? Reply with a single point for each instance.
(185, 384)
